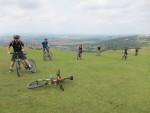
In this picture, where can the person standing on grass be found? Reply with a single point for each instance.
(125, 54)
(46, 48)
(45, 45)
(80, 50)
(98, 50)
(136, 51)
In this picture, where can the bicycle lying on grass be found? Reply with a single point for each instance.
(18, 63)
(58, 80)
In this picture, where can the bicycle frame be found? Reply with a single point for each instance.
(47, 54)
(18, 60)
(57, 81)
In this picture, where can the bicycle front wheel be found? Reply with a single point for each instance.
(37, 83)
(18, 69)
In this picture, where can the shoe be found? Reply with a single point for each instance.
(30, 68)
(10, 70)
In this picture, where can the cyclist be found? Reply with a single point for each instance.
(18, 46)
(45, 45)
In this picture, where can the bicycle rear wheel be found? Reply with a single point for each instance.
(49, 56)
(44, 56)
(37, 83)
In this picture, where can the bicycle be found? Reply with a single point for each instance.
(52, 80)
(19, 61)
(46, 55)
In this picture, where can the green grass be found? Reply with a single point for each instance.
(104, 84)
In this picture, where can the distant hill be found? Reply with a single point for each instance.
(136, 41)
(121, 43)
(90, 42)
(55, 40)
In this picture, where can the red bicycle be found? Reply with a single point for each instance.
(58, 80)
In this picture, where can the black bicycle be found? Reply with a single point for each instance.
(19, 61)
(47, 55)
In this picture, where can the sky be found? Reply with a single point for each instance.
(75, 16)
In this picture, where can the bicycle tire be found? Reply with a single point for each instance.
(37, 83)
(44, 56)
(49, 56)
(18, 69)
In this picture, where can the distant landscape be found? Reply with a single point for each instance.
(90, 42)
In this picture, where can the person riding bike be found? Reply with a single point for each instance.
(45, 45)
(18, 47)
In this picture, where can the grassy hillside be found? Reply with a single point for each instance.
(121, 43)
(135, 41)
(104, 84)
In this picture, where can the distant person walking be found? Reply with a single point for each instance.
(125, 54)
(98, 50)
(80, 50)
(136, 51)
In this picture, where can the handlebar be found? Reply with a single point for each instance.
(18, 53)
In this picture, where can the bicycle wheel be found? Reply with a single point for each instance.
(33, 64)
(44, 56)
(18, 69)
(37, 83)
(49, 56)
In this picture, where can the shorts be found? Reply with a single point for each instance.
(21, 56)
(80, 51)
(125, 53)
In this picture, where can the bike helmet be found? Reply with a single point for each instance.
(16, 37)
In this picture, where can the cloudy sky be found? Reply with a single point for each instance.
(75, 16)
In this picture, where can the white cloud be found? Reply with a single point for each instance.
(80, 16)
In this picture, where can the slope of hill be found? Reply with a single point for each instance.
(137, 41)
(104, 84)
(33, 40)
(90, 42)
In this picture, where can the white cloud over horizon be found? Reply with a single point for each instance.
(75, 16)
